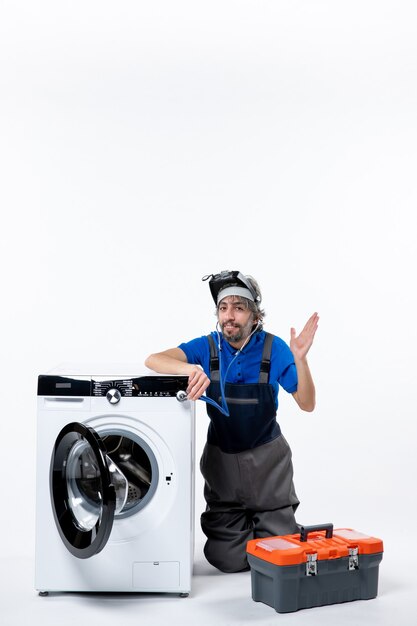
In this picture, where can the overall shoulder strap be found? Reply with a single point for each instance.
(266, 359)
(214, 360)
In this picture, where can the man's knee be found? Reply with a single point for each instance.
(227, 534)
(226, 558)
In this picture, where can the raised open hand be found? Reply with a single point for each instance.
(301, 344)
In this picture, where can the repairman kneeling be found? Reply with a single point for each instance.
(246, 461)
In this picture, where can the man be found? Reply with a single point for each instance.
(246, 461)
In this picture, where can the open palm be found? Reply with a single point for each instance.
(301, 344)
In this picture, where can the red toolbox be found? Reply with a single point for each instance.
(315, 567)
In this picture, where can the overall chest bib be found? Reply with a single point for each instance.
(252, 420)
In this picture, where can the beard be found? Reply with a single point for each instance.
(237, 333)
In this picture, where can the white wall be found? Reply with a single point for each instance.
(145, 144)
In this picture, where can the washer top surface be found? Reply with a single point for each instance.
(112, 370)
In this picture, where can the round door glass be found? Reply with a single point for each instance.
(84, 488)
(84, 485)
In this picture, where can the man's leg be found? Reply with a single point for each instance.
(277, 522)
(227, 533)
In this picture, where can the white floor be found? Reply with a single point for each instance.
(216, 599)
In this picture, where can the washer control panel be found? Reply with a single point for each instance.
(143, 387)
(113, 389)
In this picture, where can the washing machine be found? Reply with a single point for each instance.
(115, 481)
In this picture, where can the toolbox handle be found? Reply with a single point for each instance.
(305, 530)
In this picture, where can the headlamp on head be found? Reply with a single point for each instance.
(231, 283)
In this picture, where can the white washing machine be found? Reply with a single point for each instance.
(115, 482)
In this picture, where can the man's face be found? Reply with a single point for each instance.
(235, 319)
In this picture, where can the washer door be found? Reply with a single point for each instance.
(83, 495)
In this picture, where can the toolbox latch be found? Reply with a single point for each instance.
(311, 565)
(353, 559)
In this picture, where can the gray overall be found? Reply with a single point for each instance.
(247, 467)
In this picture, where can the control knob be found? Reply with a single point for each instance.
(181, 396)
(113, 396)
